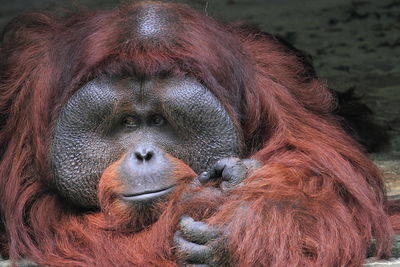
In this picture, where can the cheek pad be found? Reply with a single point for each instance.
(206, 129)
(203, 133)
(79, 154)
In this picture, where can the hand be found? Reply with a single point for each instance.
(199, 244)
(232, 172)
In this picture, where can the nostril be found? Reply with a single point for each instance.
(149, 155)
(144, 155)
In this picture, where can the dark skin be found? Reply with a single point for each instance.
(145, 119)
(110, 116)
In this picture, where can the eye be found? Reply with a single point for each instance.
(131, 122)
(157, 120)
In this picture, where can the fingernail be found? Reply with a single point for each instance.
(203, 177)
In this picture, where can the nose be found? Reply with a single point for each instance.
(143, 154)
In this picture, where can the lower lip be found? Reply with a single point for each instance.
(147, 197)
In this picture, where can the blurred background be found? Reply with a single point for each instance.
(355, 45)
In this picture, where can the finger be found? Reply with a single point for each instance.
(204, 177)
(197, 232)
(232, 170)
(234, 173)
(191, 252)
(216, 170)
(252, 164)
(237, 171)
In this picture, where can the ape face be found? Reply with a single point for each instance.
(141, 119)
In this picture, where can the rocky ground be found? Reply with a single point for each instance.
(354, 44)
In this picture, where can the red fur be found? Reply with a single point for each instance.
(317, 201)
(118, 215)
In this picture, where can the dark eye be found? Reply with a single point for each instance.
(131, 122)
(158, 120)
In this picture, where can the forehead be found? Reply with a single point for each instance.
(154, 87)
(152, 22)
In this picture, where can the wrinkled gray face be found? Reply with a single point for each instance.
(109, 116)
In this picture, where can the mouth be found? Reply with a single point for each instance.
(147, 196)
